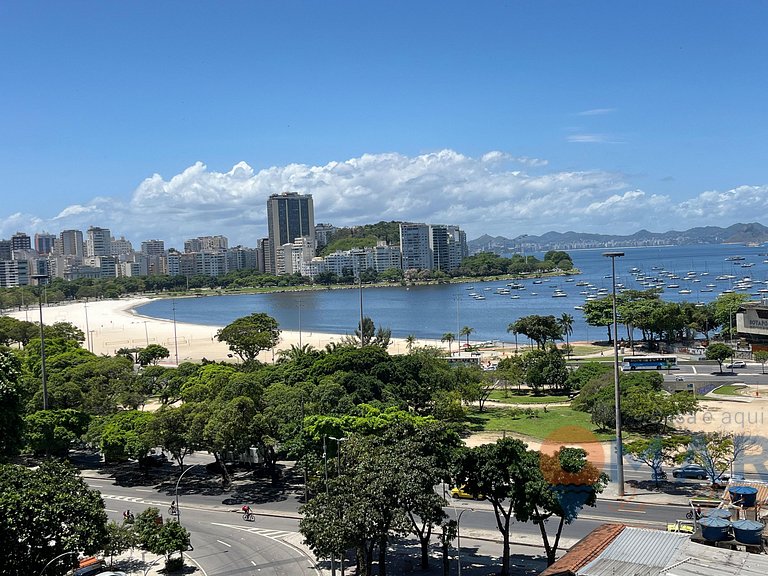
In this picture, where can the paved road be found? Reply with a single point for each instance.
(226, 544)
(223, 542)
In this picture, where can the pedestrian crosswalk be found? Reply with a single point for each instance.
(265, 532)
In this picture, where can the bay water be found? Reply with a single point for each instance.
(428, 312)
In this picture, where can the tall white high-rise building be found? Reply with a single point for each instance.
(98, 241)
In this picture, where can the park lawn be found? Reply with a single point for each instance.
(557, 421)
(514, 397)
(586, 349)
(729, 389)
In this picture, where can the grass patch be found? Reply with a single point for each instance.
(557, 423)
(586, 349)
(729, 389)
(515, 397)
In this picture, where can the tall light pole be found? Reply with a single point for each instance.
(458, 537)
(360, 280)
(40, 278)
(146, 332)
(87, 329)
(327, 491)
(338, 471)
(176, 493)
(175, 340)
(299, 323)
(616, 389)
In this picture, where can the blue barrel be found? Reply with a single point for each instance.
(715, 529)
(718, 513)
(744, 496)
(748, 531)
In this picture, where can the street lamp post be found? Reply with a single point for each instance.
(175, 340)
(327, 494)
(616, 389)
(338, 471)
(87, 328)
(176, 493)
(458, 537)
(40, 278)
(146, 332)
(299, 323)
(52, 560)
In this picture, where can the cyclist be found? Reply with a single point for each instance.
(172, 509)
(246, 511)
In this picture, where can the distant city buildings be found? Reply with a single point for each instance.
(291, 247)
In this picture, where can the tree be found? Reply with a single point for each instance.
(540, 329)
(152, 354)
(448, 337)
(600, 313)
(466, 331)
(367, 335)
(716, 452)
(410, 340)
(718, 352)
(127, 434)
(566, 326)
(561, 485)
(173, 429)
(53, 431)
(170, 538)
(545, 367)
(120, 538)
(725, 308)
(47, 512)
(11, 406)
(498, 471)
(762, 357)
(655, 452)
(250, 335)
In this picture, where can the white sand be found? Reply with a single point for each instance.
(113, 324)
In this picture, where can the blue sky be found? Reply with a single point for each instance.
(177, 119)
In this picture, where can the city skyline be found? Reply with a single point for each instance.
(174, 121)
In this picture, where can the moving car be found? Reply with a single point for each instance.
(460, 492)
(737, 364)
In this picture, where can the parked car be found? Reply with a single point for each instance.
(690, 471)
(737, 364)
(460, 492)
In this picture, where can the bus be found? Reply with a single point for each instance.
(649, 363)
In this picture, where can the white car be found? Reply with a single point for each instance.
(737, 364)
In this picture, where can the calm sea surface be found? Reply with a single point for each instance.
(431, 311)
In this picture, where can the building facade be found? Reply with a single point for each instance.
(289, 216)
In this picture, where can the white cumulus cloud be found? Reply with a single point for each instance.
(496, 193)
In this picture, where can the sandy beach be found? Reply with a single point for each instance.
(113, 324)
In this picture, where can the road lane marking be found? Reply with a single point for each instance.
(96, 485)
(279, 540)
(225, 544)
(110, 510)
(144, 490)
(252, 562)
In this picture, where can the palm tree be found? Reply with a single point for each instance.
(566, 324)
(466, 331)
(410, 340)
(448, 337)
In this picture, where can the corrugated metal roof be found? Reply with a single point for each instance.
(636, 552)
(701, 560)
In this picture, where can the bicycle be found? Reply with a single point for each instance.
(249, 516)
(173, 511)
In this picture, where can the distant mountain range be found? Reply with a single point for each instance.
(753, 233)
